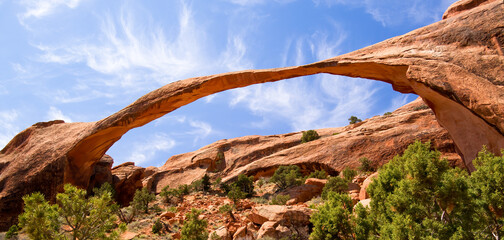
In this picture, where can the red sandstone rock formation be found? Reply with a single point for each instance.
(463, 5)
(281, 221)
(102, 173)
(311, 188)
(363, 194)
(379, 139)
(455, 65)
(127, 178)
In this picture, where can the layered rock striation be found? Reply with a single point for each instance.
(379, 139)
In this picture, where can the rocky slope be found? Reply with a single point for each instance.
(455, 65)
(379, 139)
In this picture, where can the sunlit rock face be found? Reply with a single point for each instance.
(455, 65)
(379, 139)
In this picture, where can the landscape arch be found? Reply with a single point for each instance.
(455, 65)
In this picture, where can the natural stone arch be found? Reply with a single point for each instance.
(447, 63)
(455, 65)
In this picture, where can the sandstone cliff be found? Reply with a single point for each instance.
(379, 139)
(455, 65)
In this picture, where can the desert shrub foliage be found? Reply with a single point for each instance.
(417, 195)
(72, 217)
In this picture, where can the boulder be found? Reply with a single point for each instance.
(299, 194)
(363, 194)
(247, 232)
(167, 215)
(354, 196)
(291, 215)
(302, 193)
(221, 233)
(365, 202)
(316, 182)
(268, 229)
(283, 232)
(353, 187)
(129, 235)
(102, 172)
(127, 178)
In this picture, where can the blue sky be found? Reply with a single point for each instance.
(82, 60)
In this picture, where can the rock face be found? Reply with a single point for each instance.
(455, 65)
(379, 139)
(281, 221)
(127, 178)
(363, 194)
(311, 188)
(463, 5)
(102, 172)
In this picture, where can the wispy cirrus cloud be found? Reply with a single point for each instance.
(43, 8)
(9, 129)
(256, 2)
(146, 150)
(63, 96)
(201, 129)
(397, 102)
(395, 12)
(155, 144)
(134, 54)
(56, 114)
(309, 102)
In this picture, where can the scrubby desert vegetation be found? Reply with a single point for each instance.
(417, 195)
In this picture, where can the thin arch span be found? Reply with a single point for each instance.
(428, 62)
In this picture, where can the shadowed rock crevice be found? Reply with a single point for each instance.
(458, 72)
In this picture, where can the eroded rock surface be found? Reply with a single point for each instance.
(455, 65)
(363, 193)
(379, 139)
(311, 188)
(127, 178)
(102, 172)
(281, 221)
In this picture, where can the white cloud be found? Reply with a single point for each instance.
(56, 55)
(197, 129)
(397, 102)
(146, 150)
(394, 12)
(42, 8)
(201, 130)
(9, 129)
(288, 100)
(246, 2)
(62, 96)
(309, 102)
(56, 114)
(25, 73)
(351, 96)
(142, 56)
(208, 99)
(257, 2)
(234, 56)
